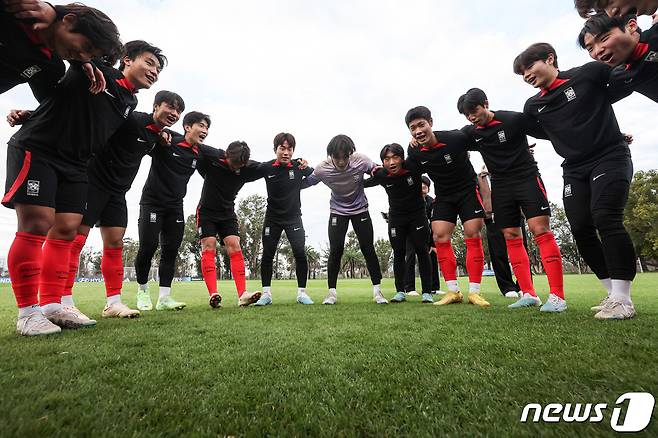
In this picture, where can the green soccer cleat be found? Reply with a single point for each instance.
(168, 303)
(264, 300)
(144, 300)
(399, 298)
(526, 300)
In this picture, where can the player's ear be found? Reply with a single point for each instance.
(486, 104)
(550, 59)
(631, 26)
(431, 122)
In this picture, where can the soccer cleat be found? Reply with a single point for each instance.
(168, 303)
(526, 300)
(512, 294)
(379, 298)
(35, 324)
(119, 310)
(427, 299)
(215, 301)
(399, 298)
(554, 304)
(478, 300)
(264, 300)
(450, 298)
(601, 305)
(66, 319)
(438, 292)
(249, 298)
(144, 300)
(304, 299)
(88, 321)
(330, 300)
(616, 310)
(412, 293)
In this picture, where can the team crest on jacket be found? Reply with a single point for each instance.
(570, 93)
(410, 181)
(501, 136)
(567, 191)
(194, 163)
(448, 158)
(31, 71)
(291, 174)
(33, 187)
(126, 112)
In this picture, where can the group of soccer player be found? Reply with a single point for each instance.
(76, 155)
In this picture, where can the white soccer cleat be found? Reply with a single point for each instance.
(601, 305)
(379, 299)
(512, 294)
(412, 293)
(66, 319)
(88, 321)
(35, 324)
(119, 310)
(330, 300)
(616, 310)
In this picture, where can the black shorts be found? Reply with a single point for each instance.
(105, 209)
(467, 204)
(509, 198)
(36, 179)
(211, 226)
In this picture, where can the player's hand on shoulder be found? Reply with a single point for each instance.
(17, 117)
(41, 14)
(628, 138)
(413, 143)
(302, 163)
(95, 76)
(165, 138)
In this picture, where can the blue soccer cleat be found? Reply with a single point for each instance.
(427, 299)
(264, 300)
(304, 299)
(399, 298)
(526, 300)
(554, 304)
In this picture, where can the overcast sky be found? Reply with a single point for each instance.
(317, 69)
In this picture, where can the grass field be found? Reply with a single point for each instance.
(352, 369)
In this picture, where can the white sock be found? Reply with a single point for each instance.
(26, 311)
(114, 299)
(164, 291)
(301, 291)
(473, 288)
(50, 308)
(452, 286)
(332, 291)
(607, 284)
(621, 291)
(267, 290)
(143, 287)
(67, 301)
(376, 289)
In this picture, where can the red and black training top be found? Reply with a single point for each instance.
(24, 58)
(221, 184)
(72, 124)
(504, 145)
(404, 190)
(171, 169)
(576, 114)
(115, 166)
(446, 163)
(641, 73)
(283, 182)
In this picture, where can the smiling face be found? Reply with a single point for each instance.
(480, 115)
(284, 152)
(165, 114)
(70, 45)
(196, 133)
(143, 71)
(392, 162)
(421, 131)
(541, 73)
(615, 46)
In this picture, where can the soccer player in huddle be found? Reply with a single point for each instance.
(343, 172)
(517, 186)
(161, 219)
(575, 111)
(444, 157)
(613, 8)
(73, 32)
(618, 42)
(407, 219)
(47, 185)
(224, 173)
(283, 179)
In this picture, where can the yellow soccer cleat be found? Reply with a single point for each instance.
(450, 298)
(478, 300)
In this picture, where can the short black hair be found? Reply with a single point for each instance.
(395, 148)
(340, 144)
(586, 8)
(195, 117)
(601, 23)
(171, 98)
(425, 180)
(536, 52)
(97, 27)
(133, 49)
(419, 112)
(282, 137)
(472, 99)
(238, 152)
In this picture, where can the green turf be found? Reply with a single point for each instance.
(352, 369)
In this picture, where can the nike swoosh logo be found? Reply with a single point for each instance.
(389, 185)
(109, 94)
(628, 81)
(419, 228)
(30, 275)
(597, 177)
(142, 141)
(364, 219)
(478, 211)
(477, 140)
(270, 176)
(545, 208)
(175, 154)
(542, 109)
(424, 162)
(296, 229)
(179, 222)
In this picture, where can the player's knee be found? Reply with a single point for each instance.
(232, 246)
(38, 226)
(538, 230)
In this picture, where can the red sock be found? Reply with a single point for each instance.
(112, 270)
(209, 270)
(474, 259)
(551, 258)
(518, 257)
(54, 270)
(24, 263)
(74, 260)
(447, 261)
(237, 269)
